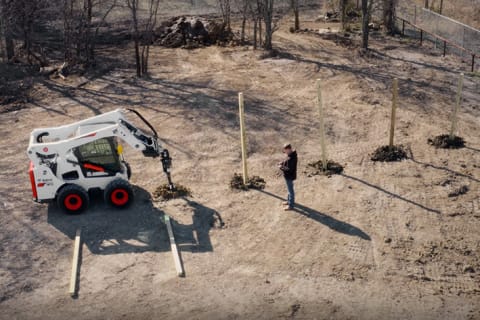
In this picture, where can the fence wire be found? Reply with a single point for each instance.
(438, 26)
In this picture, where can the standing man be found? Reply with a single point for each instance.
(289, 169)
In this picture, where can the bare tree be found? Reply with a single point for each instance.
(133, 6)
(366, 12)
(343, 13)
(109, 9)
(389, 15)
(142, 55)
(226, 13)
(6, 15)
(70, 36)
(149, 37)
(255, 12)
(295, 8)
(266, 9)
(257, 20)
(244, 7)
(19, 18)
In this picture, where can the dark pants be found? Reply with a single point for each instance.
(291, 193)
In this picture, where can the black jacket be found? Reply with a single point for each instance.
(289, 166)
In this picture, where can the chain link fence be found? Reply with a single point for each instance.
(444, 33)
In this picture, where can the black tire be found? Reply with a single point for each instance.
(119, 193)
(129, 170)
(73, 199)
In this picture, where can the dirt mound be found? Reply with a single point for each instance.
(254, 182)
(458, 192)
(443, 141)
(192, 32)
(387, 154)
(332, 168)
(163, 192)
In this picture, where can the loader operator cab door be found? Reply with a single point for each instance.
(99, 158)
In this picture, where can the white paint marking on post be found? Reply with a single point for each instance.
(457, 106)
(322, 125)
(243, 137)
(76, 255)
(394, 110)
(173, 245)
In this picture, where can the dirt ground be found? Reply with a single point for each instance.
(380, 241)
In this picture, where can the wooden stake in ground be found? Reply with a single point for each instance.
(173, 245)
(322, 125)
(457, 106)
(76, 255)
(243, 137)
(394, 110)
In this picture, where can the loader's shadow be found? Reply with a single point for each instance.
(139, 228)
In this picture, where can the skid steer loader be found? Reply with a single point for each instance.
(68, 161)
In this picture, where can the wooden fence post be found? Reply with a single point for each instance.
(457, 106)
(322, 125)
(243, 137)
(394, 109)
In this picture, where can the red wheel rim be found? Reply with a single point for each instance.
(73, 202)
(119, 197)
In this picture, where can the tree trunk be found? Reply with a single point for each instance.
(242, 32)
(294, 5)
(441, 7)
(260, 33)
(89, 52)
(138, 61)
(136, 36)
(226, 13)
(426, 4)
(343, 12)
(67, 30)
(255, 23)
(268, 36)
(244, 21)
(9, 44)
(144, 61)
(365, 22)
(389, 16)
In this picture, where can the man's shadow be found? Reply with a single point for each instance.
(136, 229)
(332, 223)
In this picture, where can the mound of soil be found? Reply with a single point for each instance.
(443, 141)
(163, 192)
(192, 32)
(254, 182)
(332, 168)
(387, 154)
(458, 192)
